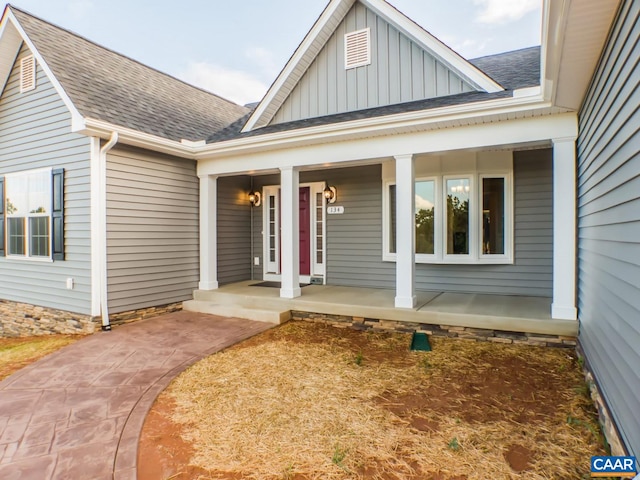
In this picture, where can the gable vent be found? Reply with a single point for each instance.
(27, 74)
(357, 49)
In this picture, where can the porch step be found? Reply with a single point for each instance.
(245, 300)
(262, 314)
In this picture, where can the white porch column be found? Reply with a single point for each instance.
(564, 229)
(290, 232)
(405, 232)
(208, 232)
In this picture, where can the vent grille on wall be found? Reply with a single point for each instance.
(357, 49)
(27, 74)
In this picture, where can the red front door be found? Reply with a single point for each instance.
(305, 231)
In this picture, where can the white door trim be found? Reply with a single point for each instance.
(271, 270)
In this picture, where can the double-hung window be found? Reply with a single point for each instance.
(32, 214)
(463, 217)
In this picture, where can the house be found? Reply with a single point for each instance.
(414, 186)
(608, 225)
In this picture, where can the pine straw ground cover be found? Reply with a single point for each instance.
(17, 353)
(309, 401)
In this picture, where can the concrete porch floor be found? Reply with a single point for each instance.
(494, 312)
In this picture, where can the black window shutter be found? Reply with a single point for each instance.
(1, 216)
(57, 218)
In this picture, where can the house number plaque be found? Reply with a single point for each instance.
(335, 210)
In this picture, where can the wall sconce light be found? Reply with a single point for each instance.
(255, 199)
(330, 193)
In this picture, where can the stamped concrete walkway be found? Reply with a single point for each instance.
(78, 413)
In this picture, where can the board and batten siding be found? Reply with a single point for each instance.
(35, 132)
(234, 229)
(152, 229)
(400, 71)
(354, 239)
(609, 225)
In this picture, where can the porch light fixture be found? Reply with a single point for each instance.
(255, 199)
(330, 193)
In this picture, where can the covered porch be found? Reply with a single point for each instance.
(504, 313)
(374, 258)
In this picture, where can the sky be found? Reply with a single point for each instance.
(237, 48)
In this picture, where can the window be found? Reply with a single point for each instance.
(425, 217)
(357, 49)
(32, 213)
(458, 219)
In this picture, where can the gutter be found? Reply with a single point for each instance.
(104, 308)
(523, 100)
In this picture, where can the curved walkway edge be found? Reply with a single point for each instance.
(78, 413)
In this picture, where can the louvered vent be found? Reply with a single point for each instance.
(27, 74)
(357, 49)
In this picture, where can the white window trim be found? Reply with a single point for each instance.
(473, 219)
(317, 269)
(509, 220)
(475, 255)
(27, 256)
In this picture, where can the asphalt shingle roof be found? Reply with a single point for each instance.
(513, 70)
(107, 86)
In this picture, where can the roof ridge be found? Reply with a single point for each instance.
(81, 37)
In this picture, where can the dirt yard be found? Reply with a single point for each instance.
(308, 401)
(17, 353)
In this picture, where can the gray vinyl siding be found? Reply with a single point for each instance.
(234, 229)
(400, 71)
(152, 229)
(609, 225)
(354, 239)
(35, 132)
(532, 272)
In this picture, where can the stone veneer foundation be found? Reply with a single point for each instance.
(465, 333)
(23, 319)
(604, 415)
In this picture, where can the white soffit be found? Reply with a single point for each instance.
(10, 42)
(580, 43)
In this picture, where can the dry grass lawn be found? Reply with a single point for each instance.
(309, 401)
(17, 353)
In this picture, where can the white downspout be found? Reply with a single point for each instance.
(104, 309)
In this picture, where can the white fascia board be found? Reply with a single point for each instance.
(10, 41)
(428, 41)
(532, 130)
(554, 21)
(376, 125)
(128, 136)
(332, 10)
(76, 118)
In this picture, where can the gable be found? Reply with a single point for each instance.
(400, 71)
(389, 24)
